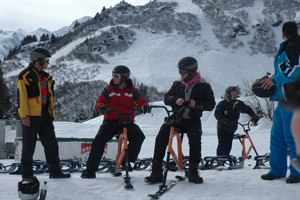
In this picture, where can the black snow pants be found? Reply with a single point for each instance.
(224, 143)
(107, 131)
(193, 131)
(42, 126)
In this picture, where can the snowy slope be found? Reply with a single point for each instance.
(242, 183)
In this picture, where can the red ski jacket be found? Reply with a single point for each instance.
(121, 100)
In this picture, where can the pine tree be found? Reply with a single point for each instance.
(44, 37)
(76, 24)
(4, 98)
(53, 39)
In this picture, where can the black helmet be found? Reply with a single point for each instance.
(38, 53)
(188, 63)
(260, 92)
(123, 71)
(231, 89)
(29, 188)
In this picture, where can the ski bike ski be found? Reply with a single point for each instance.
(162, 189)
(174, 132)
(123, 148)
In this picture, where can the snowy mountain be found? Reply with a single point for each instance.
(10, 39)
(66, 29)
(234, 42)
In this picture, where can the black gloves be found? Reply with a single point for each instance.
(255, 119)
(103, 110)
(146, 108)
(186, 103)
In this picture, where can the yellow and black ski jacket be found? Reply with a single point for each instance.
(30, 95)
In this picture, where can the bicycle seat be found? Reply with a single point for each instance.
(180, 130)
(238, 136)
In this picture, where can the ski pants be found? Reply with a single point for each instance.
(225, 142)
(193, 131)
(107, 131)
(281, 138)
(42, 126)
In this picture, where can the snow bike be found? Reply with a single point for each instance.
(174, 132)
(218, 162)
(123, 152)
(260, 160)
(71, 166)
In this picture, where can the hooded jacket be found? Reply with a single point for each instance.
(287, 66)
(121, 100)
(29, 94)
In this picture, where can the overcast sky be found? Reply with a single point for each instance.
(52, 15)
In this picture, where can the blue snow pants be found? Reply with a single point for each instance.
(281, 138)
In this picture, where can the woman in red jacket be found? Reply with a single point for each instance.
(122, 96)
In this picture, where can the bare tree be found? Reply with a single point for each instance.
(263, 107)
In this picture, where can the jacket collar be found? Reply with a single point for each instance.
(294, 38)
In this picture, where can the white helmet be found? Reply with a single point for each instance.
(29, 188)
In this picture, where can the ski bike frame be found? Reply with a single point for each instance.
(174, 133)
(260, 160)
(123, 152)
(242, 138)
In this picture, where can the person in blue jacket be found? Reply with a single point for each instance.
(287, 69)
(227, 113)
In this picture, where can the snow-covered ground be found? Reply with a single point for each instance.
(242, 183)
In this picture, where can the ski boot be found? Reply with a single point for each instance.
(269, 177)
(193, 172)
(59, 175)
(156, 174)
(292, 179)
(86, 174)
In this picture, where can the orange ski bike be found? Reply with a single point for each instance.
(123, 147)
(180, 162)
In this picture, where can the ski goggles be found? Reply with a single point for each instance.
(183, 71)
(47, 60)
(116, 76)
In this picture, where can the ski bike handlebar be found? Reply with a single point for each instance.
(246, 127)
(128, 114)
(179, 112)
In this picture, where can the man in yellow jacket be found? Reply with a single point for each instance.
(36, 110)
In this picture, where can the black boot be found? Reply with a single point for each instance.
(86, 174)
(156, 174)
(292, 179)
(59, 175)
(269, 177)
(193, 172)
